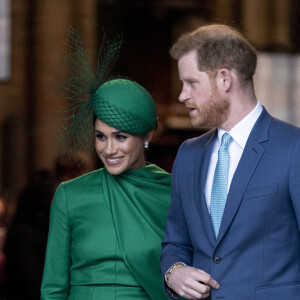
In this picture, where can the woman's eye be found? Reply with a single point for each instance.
(100, 136)
(121, 137)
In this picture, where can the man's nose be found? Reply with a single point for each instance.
(184, 95)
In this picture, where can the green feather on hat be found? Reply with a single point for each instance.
(120, 103)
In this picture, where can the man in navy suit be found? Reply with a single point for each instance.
(234, 237)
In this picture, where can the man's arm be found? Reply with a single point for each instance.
(186, 281)
(177, 246)
(295, 179)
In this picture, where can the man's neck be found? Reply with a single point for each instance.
(238, 111)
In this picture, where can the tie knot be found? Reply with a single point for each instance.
(226, 138)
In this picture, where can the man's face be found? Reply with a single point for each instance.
(200, 94)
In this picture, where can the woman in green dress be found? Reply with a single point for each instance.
(106, 226)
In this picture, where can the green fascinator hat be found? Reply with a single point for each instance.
(125, 105)
(120, 103)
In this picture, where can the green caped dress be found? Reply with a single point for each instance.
(105, 236)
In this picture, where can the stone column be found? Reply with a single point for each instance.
(54, 19)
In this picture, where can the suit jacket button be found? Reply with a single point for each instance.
(217, 259)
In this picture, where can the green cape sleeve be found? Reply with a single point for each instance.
(139, 201)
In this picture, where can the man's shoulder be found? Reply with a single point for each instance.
(276, 124)
(284, 133)
(199, 141)
(285, 127)
(271, 128)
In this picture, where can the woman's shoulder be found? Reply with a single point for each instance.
(82, 182)
(83, 187)
(84, 178)
(156, 169)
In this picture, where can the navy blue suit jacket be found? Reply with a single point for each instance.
(257, 252)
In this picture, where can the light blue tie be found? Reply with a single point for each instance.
(219, 187)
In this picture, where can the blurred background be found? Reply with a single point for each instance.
(33, 38)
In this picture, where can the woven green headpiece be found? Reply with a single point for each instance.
(125, 105)
(120, 103)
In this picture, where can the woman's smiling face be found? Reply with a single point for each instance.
(119, 151)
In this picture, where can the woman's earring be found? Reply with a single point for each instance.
(146, 145)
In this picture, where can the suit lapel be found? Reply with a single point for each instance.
(200, 187)
(251, 156)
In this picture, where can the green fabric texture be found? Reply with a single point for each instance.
(125, 105)
(105, 236)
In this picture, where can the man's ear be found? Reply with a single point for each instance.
(224, 79)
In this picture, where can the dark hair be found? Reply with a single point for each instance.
(35, 199)
(218, 46)
(156, 125)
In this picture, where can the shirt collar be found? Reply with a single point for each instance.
(241, 131)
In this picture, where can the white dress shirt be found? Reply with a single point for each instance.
(239, 133)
